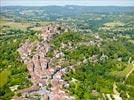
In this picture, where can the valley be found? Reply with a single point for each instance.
(83, 54)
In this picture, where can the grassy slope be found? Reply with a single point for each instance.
(4, 77)
(125, 72)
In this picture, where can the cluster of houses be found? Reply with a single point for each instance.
(34, 55)
(49, 31)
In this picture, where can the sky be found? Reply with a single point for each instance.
(67, 2)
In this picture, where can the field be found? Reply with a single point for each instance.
(114, 24)
(5, 24)
(15, 25)
(125, 72)
(4, 77)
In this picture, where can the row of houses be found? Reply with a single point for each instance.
(33, 54)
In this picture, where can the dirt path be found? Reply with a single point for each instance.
(116, 94)
(129, 61)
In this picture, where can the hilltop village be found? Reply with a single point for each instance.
(51, 76)
(46, 80)
(46, 73)
(66, 52)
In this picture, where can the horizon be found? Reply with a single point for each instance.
(61, 6)
(67, 2)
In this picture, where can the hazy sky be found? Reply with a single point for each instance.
(68, 2)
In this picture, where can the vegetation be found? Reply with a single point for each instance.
(4, 75)
(96, 68)
(99, 48)
(12, 71)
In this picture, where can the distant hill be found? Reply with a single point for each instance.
(74, 8)
(57, 12)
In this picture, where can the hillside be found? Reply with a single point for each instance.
(47, 53)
